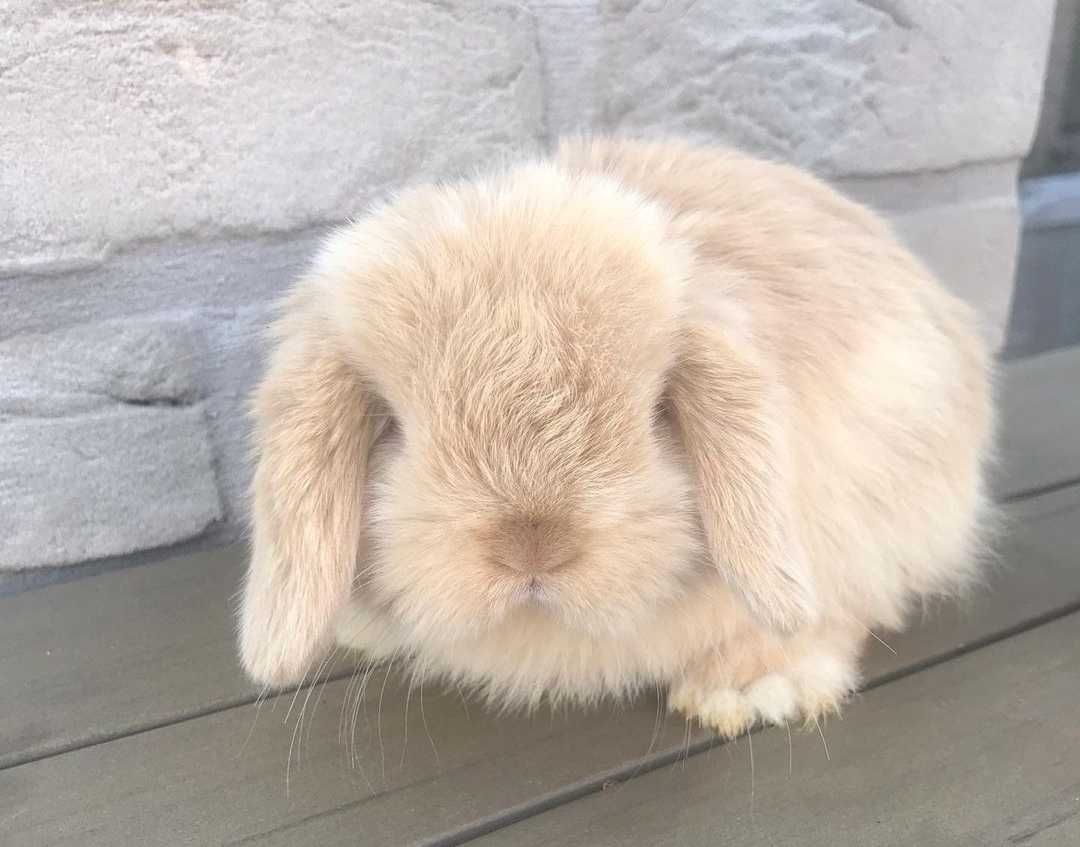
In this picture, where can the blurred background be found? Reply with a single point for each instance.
(169, 167)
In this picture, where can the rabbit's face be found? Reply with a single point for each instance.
(516, 337)
(525, 507)
(521, 396)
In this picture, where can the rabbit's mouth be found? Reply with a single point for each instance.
(536, 592)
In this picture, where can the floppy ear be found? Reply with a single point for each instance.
(313, 431)
(732, 426)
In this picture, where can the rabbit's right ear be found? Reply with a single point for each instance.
(733, 428)
(313, 432)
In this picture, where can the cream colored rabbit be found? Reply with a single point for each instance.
(643, 414)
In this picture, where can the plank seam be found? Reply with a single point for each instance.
(1038, 491)
(151, 726)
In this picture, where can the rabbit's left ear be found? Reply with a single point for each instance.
(313, 430)
(733, 428)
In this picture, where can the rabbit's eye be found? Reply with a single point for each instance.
(384, 421)
(389, 426)
(662, 412)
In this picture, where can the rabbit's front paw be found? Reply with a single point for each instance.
(813, 686)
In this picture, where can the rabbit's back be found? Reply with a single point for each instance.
(885, 374)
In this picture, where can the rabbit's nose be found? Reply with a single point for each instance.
(533, 545)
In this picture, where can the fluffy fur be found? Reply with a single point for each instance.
(640, 415)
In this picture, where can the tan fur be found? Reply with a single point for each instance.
(644, 414)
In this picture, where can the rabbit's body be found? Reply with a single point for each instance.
(666, 417)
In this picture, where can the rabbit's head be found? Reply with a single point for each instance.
(487, 400)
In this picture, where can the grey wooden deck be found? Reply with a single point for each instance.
(124, 719)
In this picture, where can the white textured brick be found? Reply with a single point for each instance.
(94, 366)
(103, 484)
(103, 447)
(138, 119)
(843, 86)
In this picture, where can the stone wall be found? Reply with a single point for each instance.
(165, 170)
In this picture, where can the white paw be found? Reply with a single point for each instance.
(824, 682)
(814, 686)
(773, 699)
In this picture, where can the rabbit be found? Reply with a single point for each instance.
(641, 414)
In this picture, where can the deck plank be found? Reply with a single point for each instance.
(220, 777)
(128, 650)
(117, 652)
(981, 750)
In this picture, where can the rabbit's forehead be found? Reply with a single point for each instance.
(533, 279)
(536, 318)
(540, 381)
